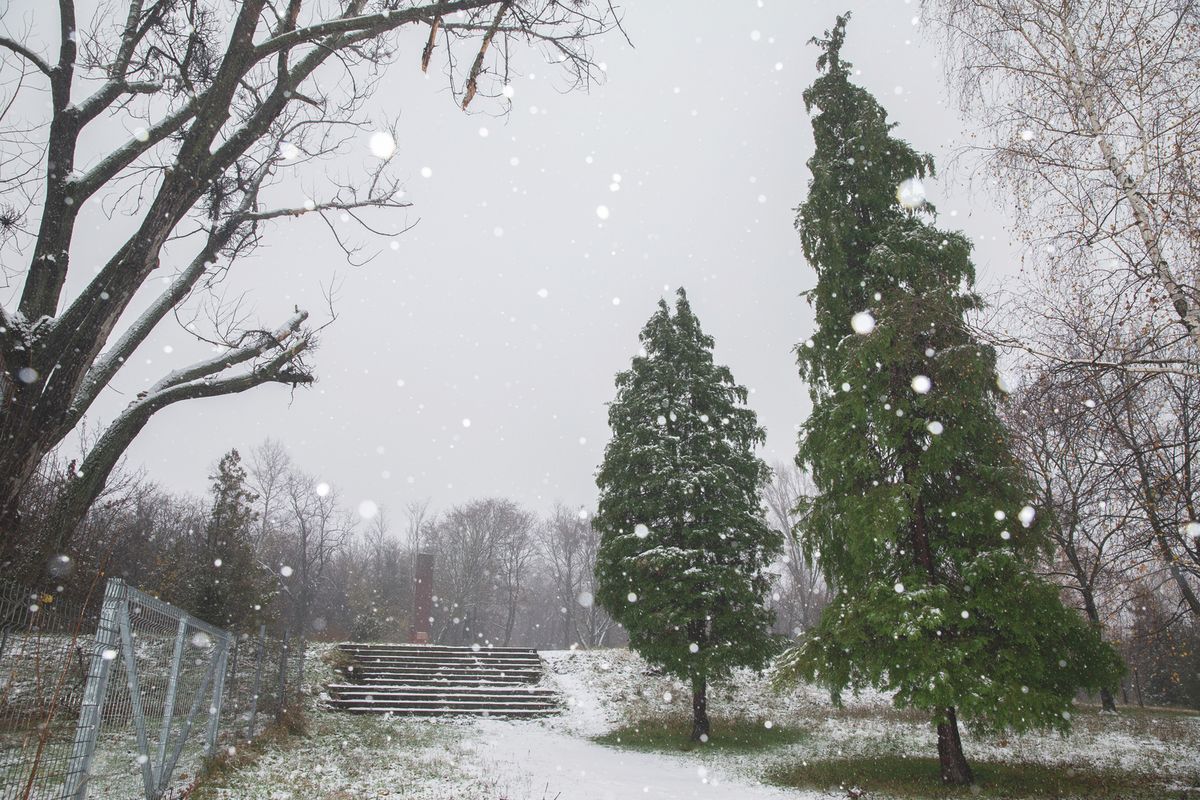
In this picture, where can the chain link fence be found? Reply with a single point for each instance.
(125, 698)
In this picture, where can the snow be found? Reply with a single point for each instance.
(528, 760)
(372, 756)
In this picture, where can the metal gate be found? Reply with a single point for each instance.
(162, 699)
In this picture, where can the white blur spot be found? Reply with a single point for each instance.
(640, 530)
(899, 587)
(911, 193)
(323, 488)
(586, 599)
(286, 571)
(382, 144)
(921, 384)
(426, 172)
(1026, 515)
(862, 323)
(367, 509)
(935, 427)
(602, 212)
(631, 597)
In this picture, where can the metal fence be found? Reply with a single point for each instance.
(128, 699)
(43, 669)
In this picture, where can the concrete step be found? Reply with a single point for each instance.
(371, 670)
(444, 704)
(434, 682)
(459, 692)
(437, 651)
(464, 661)
(433, 712)
(432, 648)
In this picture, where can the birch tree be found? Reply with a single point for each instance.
(1088, 117)
(224, 100)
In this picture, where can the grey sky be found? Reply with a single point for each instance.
(704, 124)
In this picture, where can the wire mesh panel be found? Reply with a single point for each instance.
(152, 703)
(126, 698)
(262, 683)
(43, 668)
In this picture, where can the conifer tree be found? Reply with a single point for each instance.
(230, 588)
(683, 539)
(921, 524)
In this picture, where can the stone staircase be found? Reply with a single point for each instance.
(435, 681)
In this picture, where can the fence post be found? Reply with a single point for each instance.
(135, 696)
(283, 659)
(91, 708)
(258, 670)
(218, 696)
(172, 691)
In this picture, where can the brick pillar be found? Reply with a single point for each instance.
(422, 598)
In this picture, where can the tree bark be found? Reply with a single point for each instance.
(954, 767)
(1107, 703)
(699, 708)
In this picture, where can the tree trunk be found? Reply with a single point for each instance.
(699, 708)
(1093, 614)
(955, 770)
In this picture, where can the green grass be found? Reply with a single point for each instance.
(897, 776)
(673, 734)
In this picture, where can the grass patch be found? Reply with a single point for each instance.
(673, 734)
(897, 776)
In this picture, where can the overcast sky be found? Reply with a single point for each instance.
(474, 356)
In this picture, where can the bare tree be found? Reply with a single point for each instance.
(1089, 117)
(800, 592)
(318, 529)
(225, 98)
(1093, 523)
(563, 543)
(516, 553)
(270, 466)
(464, 542)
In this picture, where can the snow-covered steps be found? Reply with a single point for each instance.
(432, 680)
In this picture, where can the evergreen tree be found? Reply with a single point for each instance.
(230, 588)
(921, 523)
(683, 540)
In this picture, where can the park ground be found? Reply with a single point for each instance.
(623, 734)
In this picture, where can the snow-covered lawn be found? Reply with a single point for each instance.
(346, 756)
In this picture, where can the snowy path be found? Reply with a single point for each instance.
(534, 762)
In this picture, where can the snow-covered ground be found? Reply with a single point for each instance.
(347, 756)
